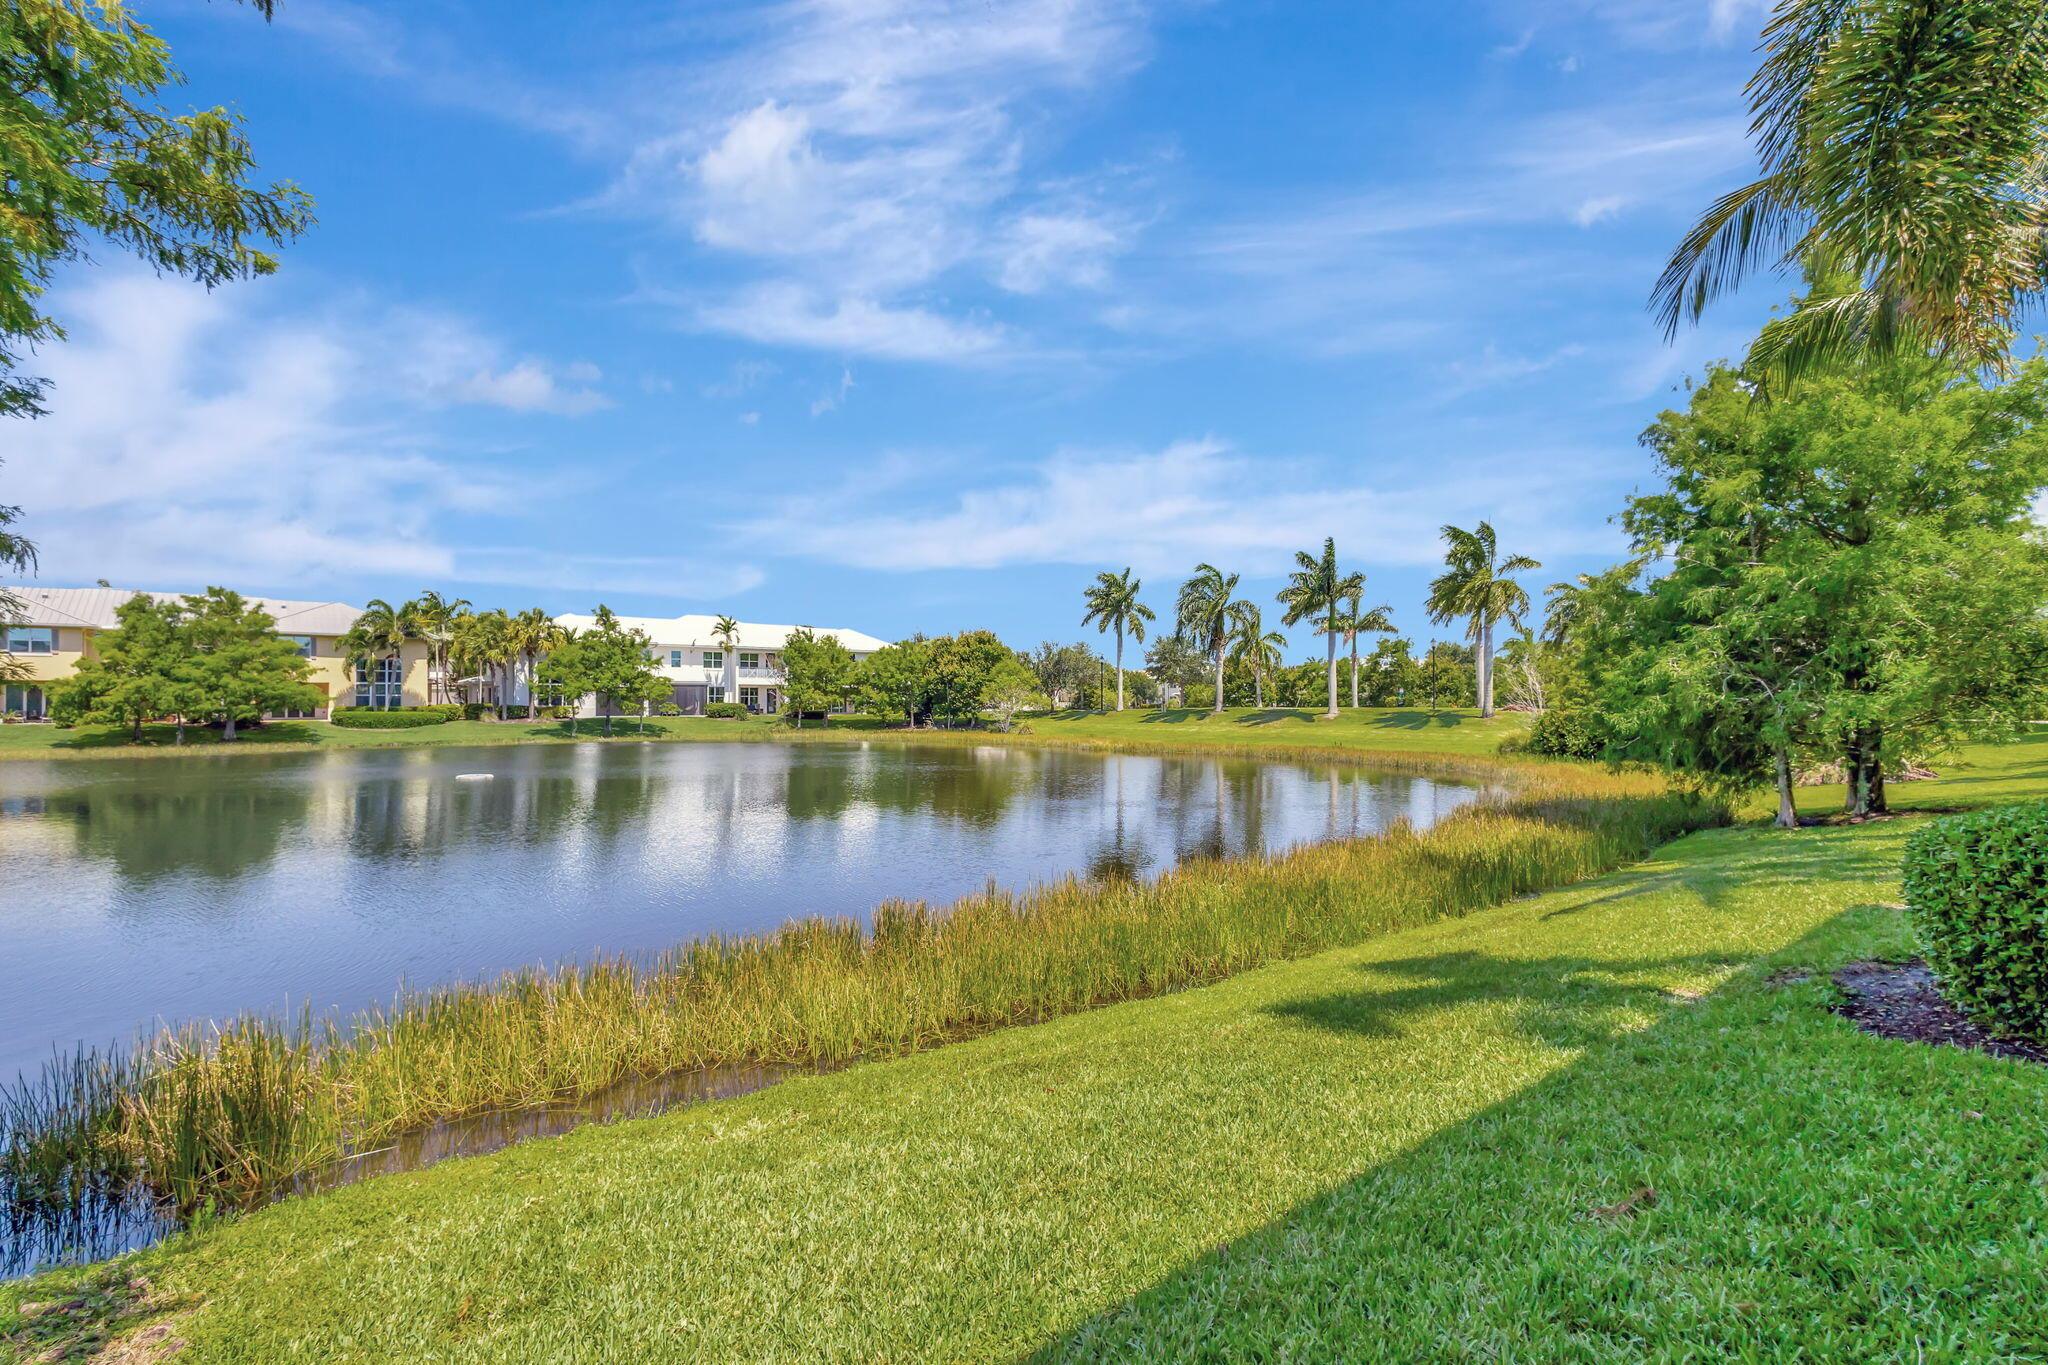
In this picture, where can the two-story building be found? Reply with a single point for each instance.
(705, 667)
(55, 629)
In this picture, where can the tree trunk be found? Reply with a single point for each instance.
(1219, 679)
(1354, 672)
(1485, 667)
(1863, 764)
(1788, 814)
(181, 729)
(227, 732)
(1259, 688)
(532, 687)
(607, 721)
(1331, 624)
(1119, 668)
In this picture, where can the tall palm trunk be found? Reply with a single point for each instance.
(1119, 666)
(1354, 670)
(1484, 665)
(1331, 631)
(1219, 676)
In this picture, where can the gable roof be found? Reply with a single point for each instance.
(93, 609)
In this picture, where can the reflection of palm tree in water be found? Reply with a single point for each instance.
(1117, 861)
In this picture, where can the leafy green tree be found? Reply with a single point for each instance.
(1852, 571)
(1902, 144)
(1202, 615)
(607, 661)
(93, 158)
(1446, 676)
(1475, 585)
(1174, 665)
(1392, 677)
(18, 555)
(135, 672)
(1113, 605)
(896, 680)
(965, 668)
(1317, 587)
(1064, 672)
(1011, 688)
(238, 666)
(817, 673)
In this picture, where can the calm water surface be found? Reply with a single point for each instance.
(134, 892)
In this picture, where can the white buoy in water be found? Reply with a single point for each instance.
(474, 777)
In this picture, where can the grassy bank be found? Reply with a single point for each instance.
(1431, 1145)
(202, 1113)
(1379, 730)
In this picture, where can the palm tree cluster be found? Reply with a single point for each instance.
(490, 648)
(1208, 617)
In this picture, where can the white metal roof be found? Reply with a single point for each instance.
(689, 632)
(93, 608)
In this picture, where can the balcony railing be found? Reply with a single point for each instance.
(760, 671)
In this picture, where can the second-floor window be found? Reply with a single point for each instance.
(31, 640)
(675, 658)
(380, 684)
(302, 643)
(714, 658)
(749, 660)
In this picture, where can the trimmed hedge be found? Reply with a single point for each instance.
(1977, 891)
(726, 710)
(408, 718)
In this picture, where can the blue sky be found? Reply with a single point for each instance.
(898, 314)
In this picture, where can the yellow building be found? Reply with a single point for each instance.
(55, 629)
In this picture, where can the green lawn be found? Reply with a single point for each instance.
(1430, 1146)
(1393, 730)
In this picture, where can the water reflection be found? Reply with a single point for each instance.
(140, 891)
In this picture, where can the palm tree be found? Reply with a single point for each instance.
(1904, 151)
(529, 637)
(1201, 616)
(1257, 646)
(433, 619)
(481, 644)
(1355, 622)
(1113, 605)
(378, 634)
(1475, 585)
(1317, 587)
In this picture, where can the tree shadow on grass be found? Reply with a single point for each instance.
(1175, 716)
(1272, 714)
(1623, 1202)
(1416, 719)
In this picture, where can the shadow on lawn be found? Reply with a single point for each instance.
(1721, 1127)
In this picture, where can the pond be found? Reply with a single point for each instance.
(145, 891)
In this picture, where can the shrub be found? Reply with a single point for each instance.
(1977, 890)
(668, 708)
(479, 710)
(559, 712)
(367, 718)
(726, 710)
(1558, 733)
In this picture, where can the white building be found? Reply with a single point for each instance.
(705, 668)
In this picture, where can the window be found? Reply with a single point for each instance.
(304, 643)
(675, 658)
(31, 640)
(715, 693)
(714, 658)
(293, 713)
(380, 685)
(750, 697)
(749, 660)
(24, 701)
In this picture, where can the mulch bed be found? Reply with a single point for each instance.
(1900, 1000)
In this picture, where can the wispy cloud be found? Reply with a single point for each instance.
(1165, 509)
(789, 314)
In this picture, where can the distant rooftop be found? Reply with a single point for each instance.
(93, 609)
(695, 631)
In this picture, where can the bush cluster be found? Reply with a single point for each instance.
(726, 710)
(1977, 891)
(1559, 733)
(411, 717)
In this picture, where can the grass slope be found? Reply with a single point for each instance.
(1424, 1147)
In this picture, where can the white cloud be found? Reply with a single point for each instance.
(856, 151)
(831, 398)
(251, 449)
(1493, 367)
(1164, 510)
(1597, 209)
(789, 314)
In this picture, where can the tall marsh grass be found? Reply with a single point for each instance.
(227, 1113)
